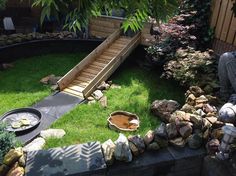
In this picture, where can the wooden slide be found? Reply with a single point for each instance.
(98, 66)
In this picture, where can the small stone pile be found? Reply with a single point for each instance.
(195, 123)
(13, 163)
(19, 37)
(98, 95)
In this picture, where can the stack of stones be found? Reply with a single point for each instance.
(194, 124)
(13, 163)
(19, 37)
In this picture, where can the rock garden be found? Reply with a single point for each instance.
(173, 106)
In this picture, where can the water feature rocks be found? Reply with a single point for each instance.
(149, 137)
(211, 119)
(52, 133)
(171, 130)
(122, 151)
(195, 141)
(162, 142)
(36, 144)
(108, 148)
(164, 108)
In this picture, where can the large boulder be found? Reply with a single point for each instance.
(164, 108)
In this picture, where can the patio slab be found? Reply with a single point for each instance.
(57, 104)
(82, 159)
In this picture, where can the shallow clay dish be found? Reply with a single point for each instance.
(123, 121)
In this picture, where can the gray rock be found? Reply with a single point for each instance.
(196, 120)
(208, 108)
(205, 124)
(115, 86)
(179, 115)
(52, 133)
(103, 86)
(133, 149)
(213, 146)
(149, 137)
(122, 150)
(53, 80)
(22, 161)
(138, 142)
(200, 112)
(36, 144)
(196, 91)
(178, 142)
(103, 101)
(153, 146)
(97, 94)
(91, 102)
(195, 141)
(164, 108)
(188, 109)
(191, 100)
(171, 130)
(161, 141)
(185, 131)
(161, 131)
(108, 148)
(90, 98)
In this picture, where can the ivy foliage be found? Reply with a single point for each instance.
(78, 12)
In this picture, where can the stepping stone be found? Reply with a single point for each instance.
(82, 159)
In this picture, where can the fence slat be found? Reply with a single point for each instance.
(221, 18)
(227, 21)
(231, 32)
(215, 12)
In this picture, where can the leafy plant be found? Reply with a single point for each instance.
(3, 4)
(7, 141)
(78, 12)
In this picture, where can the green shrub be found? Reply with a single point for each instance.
(7, 141)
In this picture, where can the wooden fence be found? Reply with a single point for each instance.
(102, 27)
(224, 24)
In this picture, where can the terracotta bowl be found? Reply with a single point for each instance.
(123, 121)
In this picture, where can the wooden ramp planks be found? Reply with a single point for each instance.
(83, 79)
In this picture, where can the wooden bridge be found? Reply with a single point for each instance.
(98, 66)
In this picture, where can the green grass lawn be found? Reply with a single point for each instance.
(139, 89)
(20, 86)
